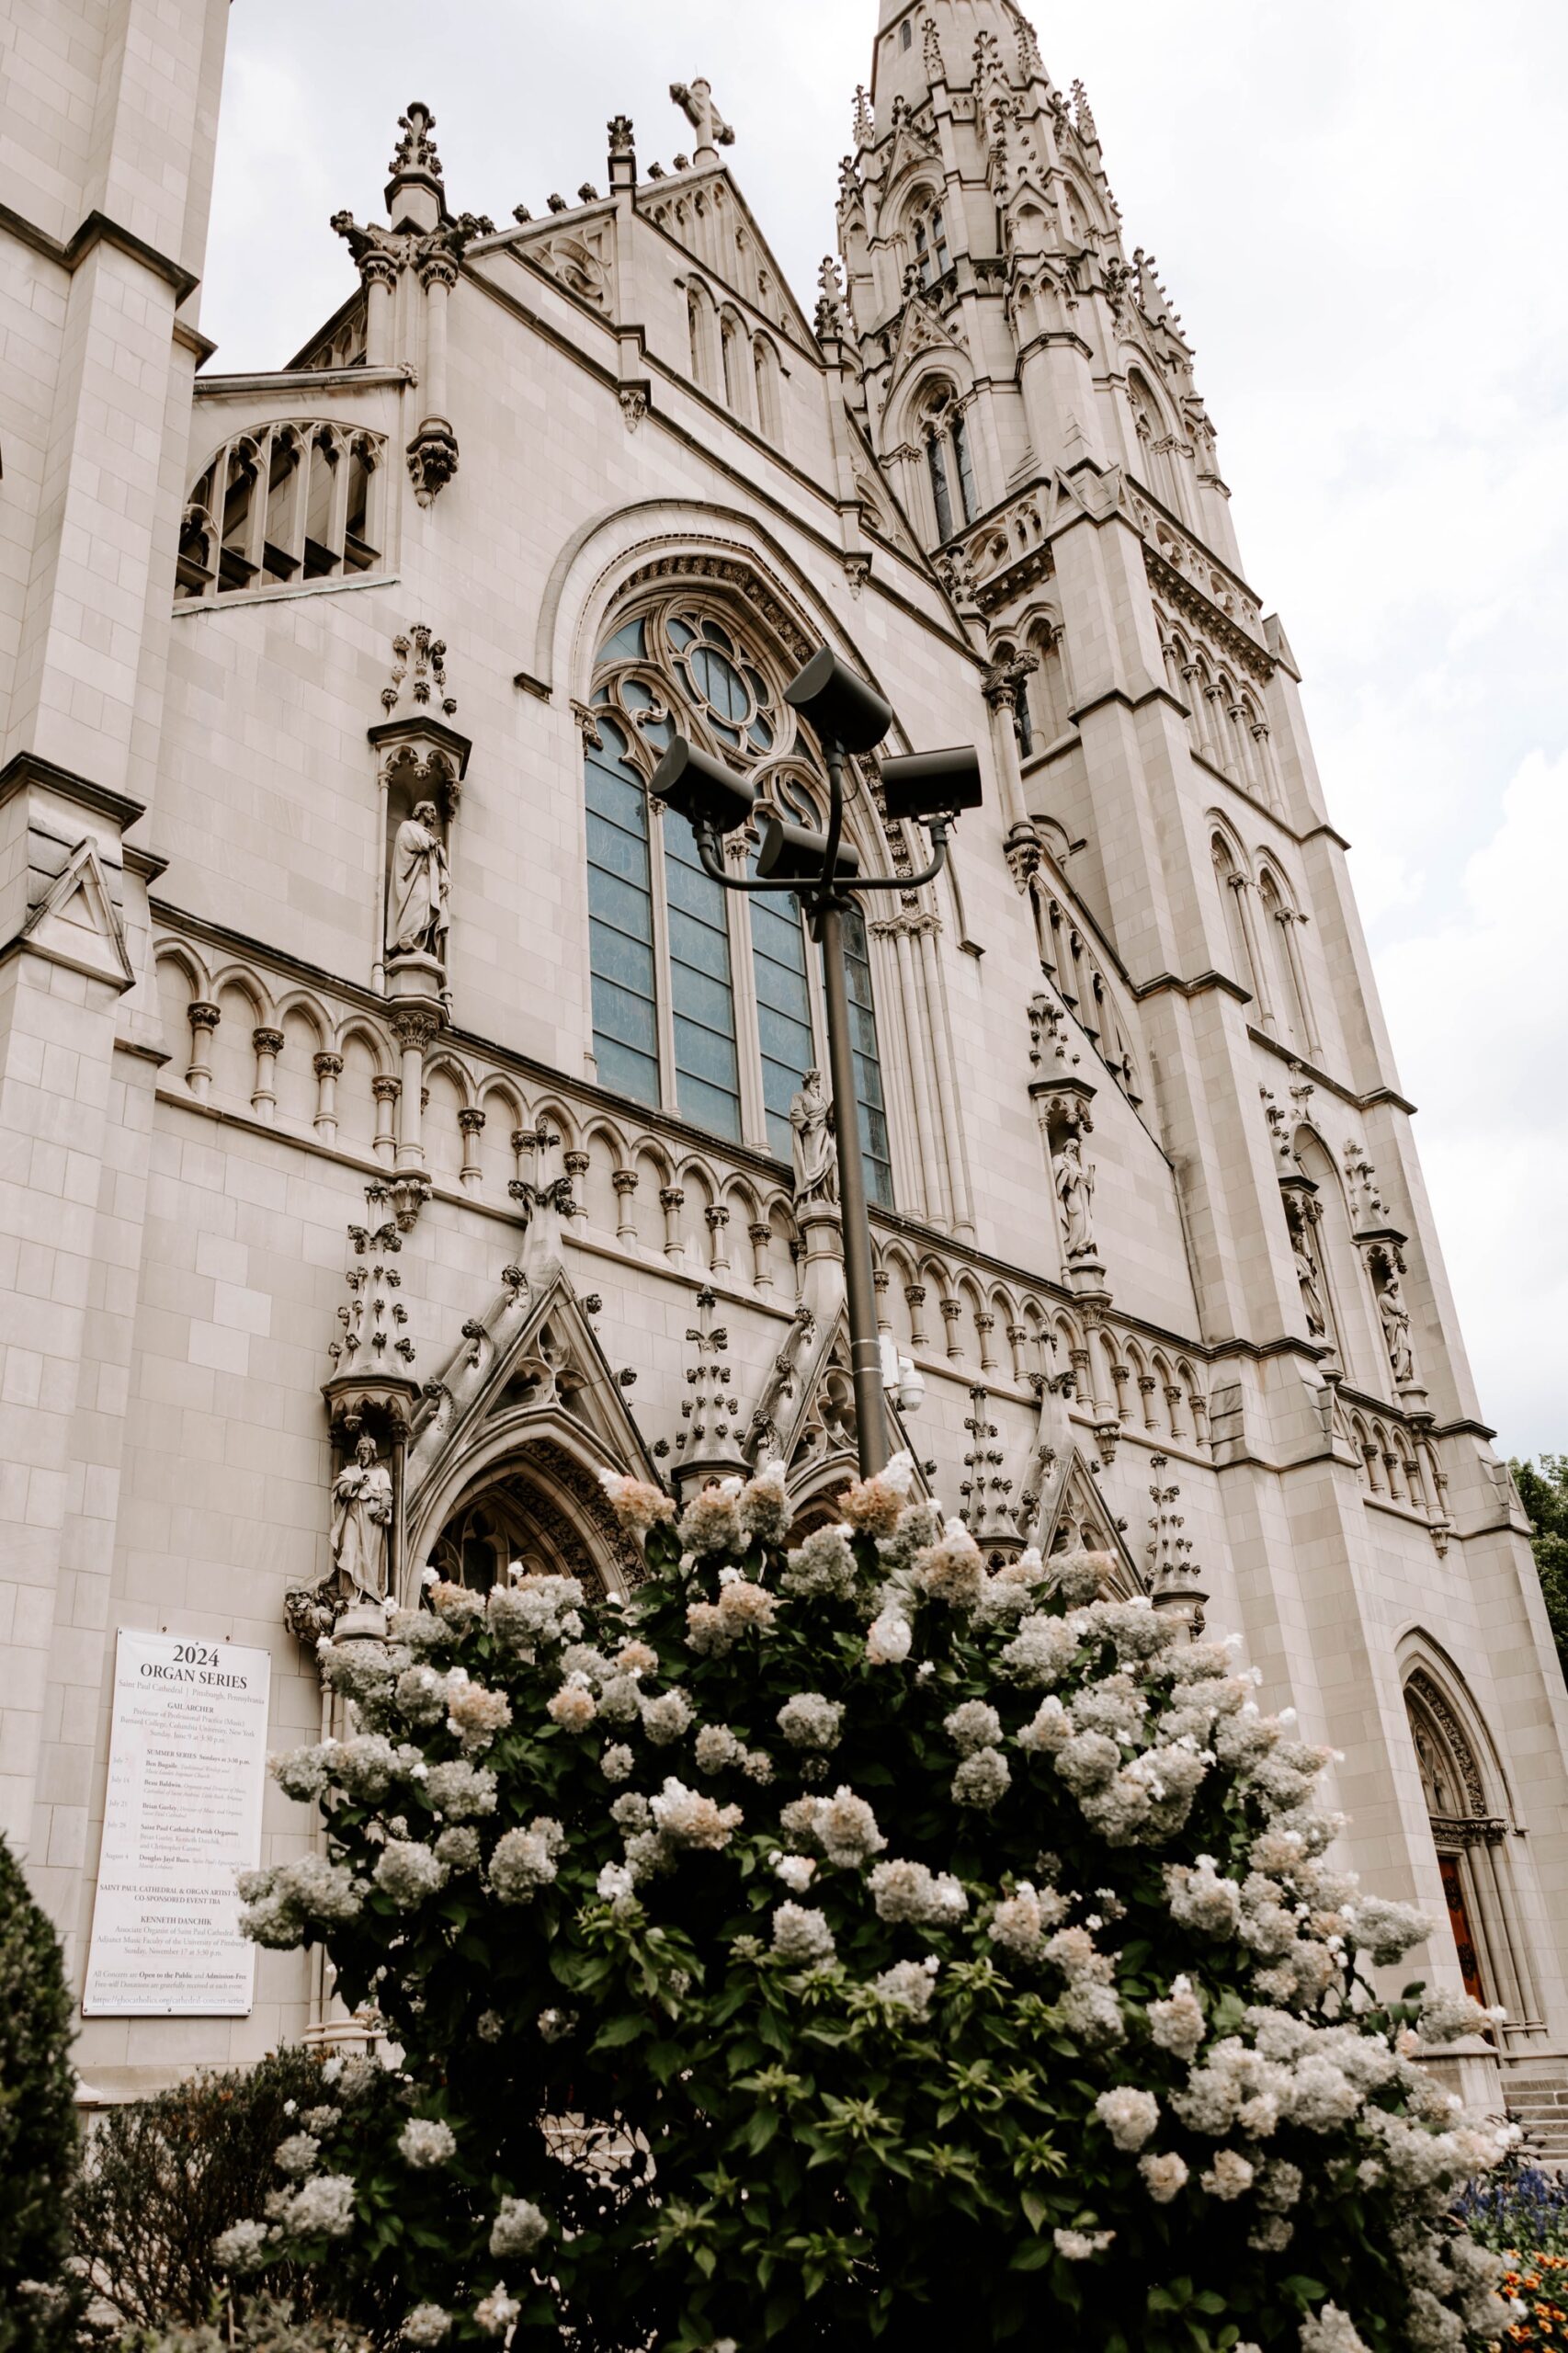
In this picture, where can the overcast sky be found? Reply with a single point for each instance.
(1357, 208)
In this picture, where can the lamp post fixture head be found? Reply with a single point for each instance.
(790, 853)
(932, 784)
(838, 704)
(701, 789)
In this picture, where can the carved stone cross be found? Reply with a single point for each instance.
(694, 101)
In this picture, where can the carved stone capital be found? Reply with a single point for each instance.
(202, 1016)
(386, 1090)
(413, 1026)
(327, 1065)
(267, 1041)
(624, 1181)
(471, 1118)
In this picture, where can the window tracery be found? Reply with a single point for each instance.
(704, 1003)
(947, 463)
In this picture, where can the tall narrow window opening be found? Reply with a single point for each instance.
(621, 921)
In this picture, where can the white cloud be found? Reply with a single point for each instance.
(1479, 1005)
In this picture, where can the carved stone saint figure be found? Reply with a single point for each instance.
(812, 1144)
(362, 1510)
(1075, 1192)
(417, 896)
(1307, 1276)
(1396, 1332)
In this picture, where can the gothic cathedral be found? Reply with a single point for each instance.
(395, 1120)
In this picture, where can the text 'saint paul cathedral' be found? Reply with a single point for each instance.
(398, 1128)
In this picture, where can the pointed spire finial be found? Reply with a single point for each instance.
(1030, 63)
(931, 52)
(830, 321)
(415, 153)
(865, 121)
(1083, 116)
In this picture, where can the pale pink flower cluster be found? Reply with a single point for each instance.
(1165, 2176)
(635, 1657)
(953, 1571)
(496, 2313)
(796, 1871)
(1229, 2175)
(686, 1818)
(1178, 2025)
(474, 1714)
(637, 1504)
(572, 1707)
(874, 1504)
(720, 1750)
(710, 1522)
(713, 1628)
(843, 1825)
(1201, 1898)
(1021, 1921)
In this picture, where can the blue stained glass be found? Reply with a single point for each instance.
(871, 1115)
(702, 999)
(626, 644)
(621, 911)
(784, 1021)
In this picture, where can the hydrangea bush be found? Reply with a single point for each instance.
(834, 1942)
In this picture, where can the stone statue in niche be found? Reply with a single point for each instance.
(1395, 1318)
(812, 1144)
(417, 893)
(1311, 1297)
(361, 1517)
(1075, 1194)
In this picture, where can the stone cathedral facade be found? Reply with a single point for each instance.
(395, 1122)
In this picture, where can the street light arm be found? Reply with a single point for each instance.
(713, 866)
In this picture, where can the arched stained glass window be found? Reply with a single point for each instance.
(685, 974)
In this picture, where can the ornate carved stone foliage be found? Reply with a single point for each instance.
(1451, 1780)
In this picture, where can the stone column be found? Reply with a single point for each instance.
(328, 1069)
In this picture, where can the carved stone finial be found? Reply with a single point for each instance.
(865, 120)
(1083, 117)
(621, 140)
(931, 52)
(694, 101)
(1172, 1572)
(830, 321)
(415, 153)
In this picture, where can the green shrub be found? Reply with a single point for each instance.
(264, 2325)
(854, 1944)
(39, 2298)
(162, 2178)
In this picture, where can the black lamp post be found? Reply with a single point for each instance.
(823, 871)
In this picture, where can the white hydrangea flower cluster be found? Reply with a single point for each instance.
(765, 1509)
(518, 2229)
(535, 1613)
(297, 2155)
(810, 1721)
(323, 2207)
(459, 1789)
(951, 1571)
(823, 1566)
(427, 2324)
(875, 1505)
(913, 1895)
(803, 1938)
(843, 1825)
(408, 1871)
(908, 1985)
(526, 1860)
(637, 1502)
(1021, 1921)
(572, 1706)
(720, 1750)
(667, 1718)
(496, 2313)
(244, 2246)
(283, 1902)
(426, 2143)
(475, 1713)
(711, 1521)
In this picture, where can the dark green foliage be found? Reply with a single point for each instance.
(163, 2177)
(38, 2125)
(267, 2324)
(1543, 1490)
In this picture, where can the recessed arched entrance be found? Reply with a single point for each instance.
(528, 1492)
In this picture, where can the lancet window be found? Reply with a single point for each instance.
(706, 1003)
(931, 255)
(286, 503)
(947, 463)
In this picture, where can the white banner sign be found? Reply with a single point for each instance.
(186, 1772)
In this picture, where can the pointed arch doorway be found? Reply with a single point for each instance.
(539, 1503)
